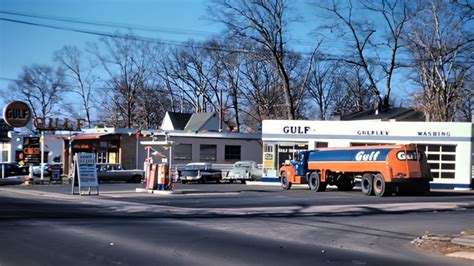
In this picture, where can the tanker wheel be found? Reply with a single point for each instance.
(366, 184)
(315, 183)
(381, 189)
(285, 184)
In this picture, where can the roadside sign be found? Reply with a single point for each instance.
(56, 173)
(84, 173)
(17, 114)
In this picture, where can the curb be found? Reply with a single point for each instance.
(462, 254)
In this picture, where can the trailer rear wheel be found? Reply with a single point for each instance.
(380, 187)
(285, 184)
(315, 183)
(366, 184)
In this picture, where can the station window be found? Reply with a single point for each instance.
(268, 148)
(232, 152)
(208, 153)
(183, 152)
(102, 157)
(441, 159)
(369, 144)
(320, 145)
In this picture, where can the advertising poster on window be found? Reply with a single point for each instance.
(268, 160)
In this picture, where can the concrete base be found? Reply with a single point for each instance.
(158, 192)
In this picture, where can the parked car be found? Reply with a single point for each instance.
(244, 171)
(13, 169)
(115, 172)
(47, 169)
(200, 172)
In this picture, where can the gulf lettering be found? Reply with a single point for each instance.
(362, 156)
(295, 129)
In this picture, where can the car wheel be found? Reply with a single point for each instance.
(242, 181)
(183, 181)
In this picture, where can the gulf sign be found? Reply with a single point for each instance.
(17, 114)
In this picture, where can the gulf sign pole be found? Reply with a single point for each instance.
(42, 156)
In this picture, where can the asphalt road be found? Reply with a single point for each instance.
(223, 224)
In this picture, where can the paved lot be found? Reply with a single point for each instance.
(230, 224)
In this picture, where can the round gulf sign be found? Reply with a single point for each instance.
(17, 114)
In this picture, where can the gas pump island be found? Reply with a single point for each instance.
(158, 175)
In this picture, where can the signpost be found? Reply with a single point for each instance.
(84, 173)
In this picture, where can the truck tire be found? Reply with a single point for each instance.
(366, 184)
(381, 189)
(285, 184)
(315, 183)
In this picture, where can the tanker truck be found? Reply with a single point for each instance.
(382, 170)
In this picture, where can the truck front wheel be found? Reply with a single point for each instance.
(285, 184)
(315, 183)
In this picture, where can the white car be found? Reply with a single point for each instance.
(244, 171)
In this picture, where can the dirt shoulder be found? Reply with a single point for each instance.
(442, 244)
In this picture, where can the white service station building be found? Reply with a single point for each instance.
(449, 147)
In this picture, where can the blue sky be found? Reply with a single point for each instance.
(171, 20)
(24, 44)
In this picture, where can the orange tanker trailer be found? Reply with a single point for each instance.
(383, 170)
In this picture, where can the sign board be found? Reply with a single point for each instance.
(268, 160)
(31, 150)
(56, 173)
(85, 173)
(17, 114)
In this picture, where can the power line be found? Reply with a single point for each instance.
(325, 56)
(124, 36)
(112, 24)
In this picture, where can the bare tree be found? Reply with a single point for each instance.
(353, 94)
(79, 80)
(264, 23)
(129, 65)
(151, 107)
(441, 46)
(41, 86)
(323, 86)
(367, 45)
(260, 92)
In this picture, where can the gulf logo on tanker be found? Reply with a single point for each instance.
(363, 156)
